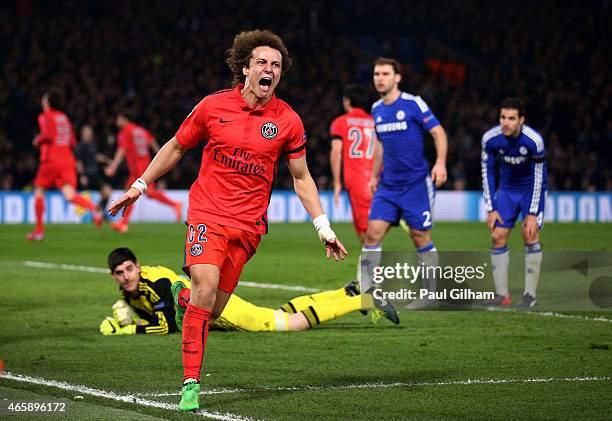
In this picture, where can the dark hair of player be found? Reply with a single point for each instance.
(514, 104)
(245, 42)
(127, 114)
(381, 61)
(55, 98)
(118, 256)
(358, 95)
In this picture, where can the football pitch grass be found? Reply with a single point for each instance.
(434, 365)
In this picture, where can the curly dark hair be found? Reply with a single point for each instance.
(245, 42)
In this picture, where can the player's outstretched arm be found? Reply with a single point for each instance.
(166, 159)
(306, 190)
(376, 164)
(438, 172)
(335, 160)
(114, 164)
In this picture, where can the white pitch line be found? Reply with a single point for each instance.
(551, 314)
(134, 399)
(392, 385)
(278, 286)
(61, 266)
(47, 265)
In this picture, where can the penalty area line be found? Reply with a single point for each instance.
(91, 269)
(393, 385)
(300, 288)
(551, 314)
(131, 398)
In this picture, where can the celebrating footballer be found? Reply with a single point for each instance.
(245, 130)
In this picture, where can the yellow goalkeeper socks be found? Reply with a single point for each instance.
(298, 304)
(323, 311)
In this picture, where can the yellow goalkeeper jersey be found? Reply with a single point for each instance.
(153, 301)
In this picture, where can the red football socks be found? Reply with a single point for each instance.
(159, 196)
(83, 202)
(39, 209)
(195, 333)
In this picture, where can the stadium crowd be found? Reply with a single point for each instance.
(463, 58)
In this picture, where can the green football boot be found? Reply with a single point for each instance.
(176, 288)
(382, 308)
(190, 394)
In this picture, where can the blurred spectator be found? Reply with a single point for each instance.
(160, 58)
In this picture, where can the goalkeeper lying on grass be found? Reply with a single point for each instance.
(151, 294)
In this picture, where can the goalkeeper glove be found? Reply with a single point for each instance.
(110, 326)
(123, 313)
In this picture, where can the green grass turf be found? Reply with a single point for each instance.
(50, 321)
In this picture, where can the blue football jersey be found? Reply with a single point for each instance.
(400, 127)
(520, 161)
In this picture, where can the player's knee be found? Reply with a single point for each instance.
(420, 238)
(68, 192)
(499, 238)
(530, 238)
(373, 235)
(203, 294)
(298, 322)
(372, 239)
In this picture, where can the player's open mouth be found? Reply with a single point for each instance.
(265, 83)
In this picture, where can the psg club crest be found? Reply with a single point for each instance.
(269, 130)
(196, 249)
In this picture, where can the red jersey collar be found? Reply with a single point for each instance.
(358, 112)
(243, 104)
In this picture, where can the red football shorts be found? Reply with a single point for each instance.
(53, 175)
(361, 199)
(225, 247)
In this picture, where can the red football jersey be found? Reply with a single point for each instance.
(242, 147)
(135, 141)
(356, 129)
(56, 138)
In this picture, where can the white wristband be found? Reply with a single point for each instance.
(321, 221)
(140, 185)
(323, 227)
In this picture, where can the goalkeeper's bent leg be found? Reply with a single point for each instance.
(320, 312)
(297, 304)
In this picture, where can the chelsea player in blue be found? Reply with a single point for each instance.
(518, 152)
(405, 190)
